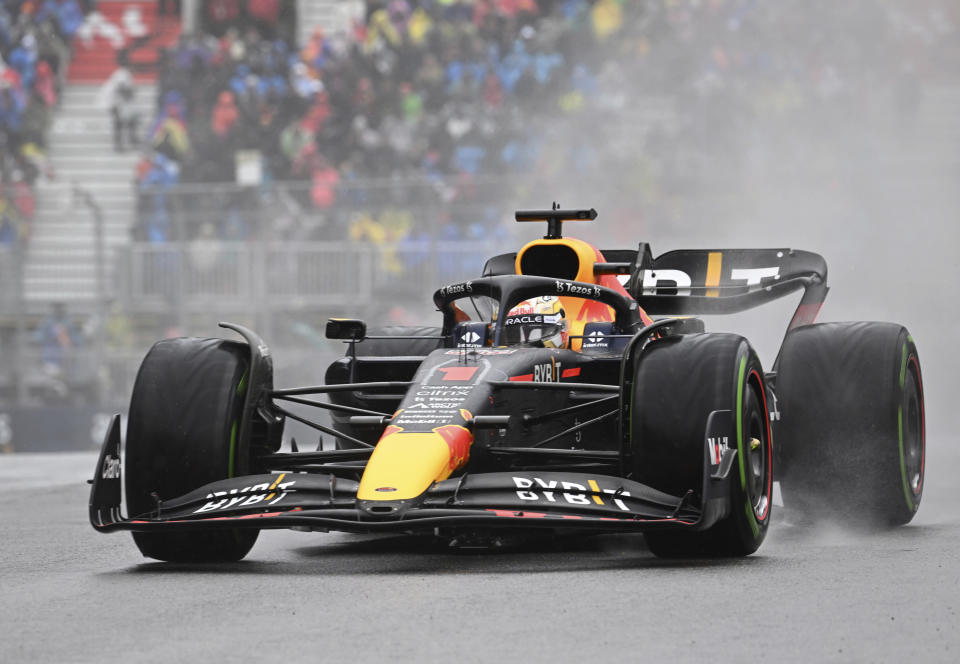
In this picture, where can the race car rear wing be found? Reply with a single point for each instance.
(726, 281)
(710, 281)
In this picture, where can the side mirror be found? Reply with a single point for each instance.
(685, 325)
(346, 328)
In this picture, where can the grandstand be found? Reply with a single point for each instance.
(298, 159)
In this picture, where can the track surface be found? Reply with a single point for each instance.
(70, 594)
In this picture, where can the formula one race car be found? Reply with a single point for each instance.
(547, 399)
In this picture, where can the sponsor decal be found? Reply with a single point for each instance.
(525, 307)
(595, 339)
(435, 396)
(558, 491)
(547, 372)
(525, 318)
(470, 338)
(457, 289)
(653, 280)
(111, 468)
(268, 494)
(458, 373)
(573, 288)
(417, 406)
(438, 404)
(386, 489)
(717, 445)
(753, 276)
(442, 395)
(441, 392)
(485, 351)
(774, 408)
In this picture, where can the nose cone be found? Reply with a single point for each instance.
(405, 464)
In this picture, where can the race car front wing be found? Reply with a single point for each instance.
(320, 501)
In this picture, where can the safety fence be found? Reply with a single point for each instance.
(371, 208)
(9, 278)
(285, 290)
(262, 277)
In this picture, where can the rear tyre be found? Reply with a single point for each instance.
(678, 383)
(185, 416)
(850, 397)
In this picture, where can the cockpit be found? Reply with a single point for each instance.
(536, 310)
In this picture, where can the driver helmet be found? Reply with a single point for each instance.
(540, 321)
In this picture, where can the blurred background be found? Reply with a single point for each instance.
(166, 165)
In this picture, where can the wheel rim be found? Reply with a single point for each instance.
(757, 456)
(913, 438)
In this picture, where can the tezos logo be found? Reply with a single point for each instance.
(466, 287)
(571, 288)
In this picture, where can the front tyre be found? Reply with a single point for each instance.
(852, 429)
(182, 433)
(679, 381)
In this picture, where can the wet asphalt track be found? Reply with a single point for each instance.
(69, 594)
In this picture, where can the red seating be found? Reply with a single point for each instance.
(95, 50)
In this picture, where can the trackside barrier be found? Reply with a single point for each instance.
(9, 280)
(216, 276)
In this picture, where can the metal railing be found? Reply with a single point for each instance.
(208, 275)
(182, 283)
(9, 278)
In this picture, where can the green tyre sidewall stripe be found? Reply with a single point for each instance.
(241, 389)
(231, 462)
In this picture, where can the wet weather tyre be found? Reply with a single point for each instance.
(678, 382)
(850, 397)
(182, 433)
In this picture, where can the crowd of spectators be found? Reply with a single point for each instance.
(35, 37)
(446, 92)
(536, 93)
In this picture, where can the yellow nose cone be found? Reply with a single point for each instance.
(405, 464)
